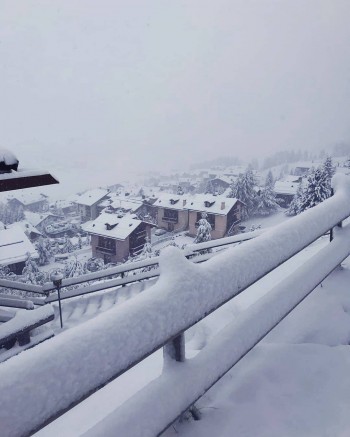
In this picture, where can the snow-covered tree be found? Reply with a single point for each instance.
(266, 201)
(67, 245)
(317, 189)
(73, 268)
(80, 242)
(43, 248)
(243, 190)
(328, 168)
(180, 190)
(147, 251)
(204, 230)
(295, 205)
(31, 273)
(94, 264)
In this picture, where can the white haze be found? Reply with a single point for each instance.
(96, 91)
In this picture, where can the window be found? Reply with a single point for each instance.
(106, 243)
(171, 215)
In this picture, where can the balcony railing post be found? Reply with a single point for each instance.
(339, 225)
(175, 351)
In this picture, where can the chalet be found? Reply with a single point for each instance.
(88, 203)
(31, 231)
(223, 214)
(286, 188)
(14, 249)
(29, 201)
(119, 204)
(302, 170)
(63, 207)
(41, 221)
(114, 237)
(171, 212)
(220, 183)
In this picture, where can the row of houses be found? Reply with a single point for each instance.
(119, 226)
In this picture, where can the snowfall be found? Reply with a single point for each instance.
(294, 382)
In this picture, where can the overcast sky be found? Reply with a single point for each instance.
(127, 85)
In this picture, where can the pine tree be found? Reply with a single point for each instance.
(317, 189)
(266, 202)
(204, 229)
(243, 190)
(43, 248)
(180, 190)
(147, 251)
(329, 168)
(295, 205)
(31, 273)
(80, 242)
(67, 246)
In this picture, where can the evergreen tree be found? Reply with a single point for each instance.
(67, 246)
(266, 202)
(295, 205)
(73, 268)
(329, 168)
(204, 229)
(80, 242)
(31, 273)
(317, 189)
(180, 190)
(243, 190)
(147, 251)
(43, 248)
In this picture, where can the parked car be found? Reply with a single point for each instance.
(159, 231)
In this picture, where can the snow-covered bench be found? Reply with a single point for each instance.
(20, 327)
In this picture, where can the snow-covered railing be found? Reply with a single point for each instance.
(20, 326)
(184, 294)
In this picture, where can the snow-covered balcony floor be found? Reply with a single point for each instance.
(293, 383)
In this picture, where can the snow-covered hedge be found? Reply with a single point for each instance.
(79, 360)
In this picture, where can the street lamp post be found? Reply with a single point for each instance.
(56, 277)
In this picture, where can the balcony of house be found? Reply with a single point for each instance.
(106, 246)
(170, 216)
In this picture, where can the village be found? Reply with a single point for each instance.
(126, 222)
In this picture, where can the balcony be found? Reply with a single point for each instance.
(170, 219)
(107, 250)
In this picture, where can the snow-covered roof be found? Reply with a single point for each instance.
(91, 197)
(211, 204)
(26, 226)
(62, 204)
(226, 179)
(14, 246)
(287, 186)
(171, 201)
(35, 218)
(112, 226)
(121, 202)
(27, 198)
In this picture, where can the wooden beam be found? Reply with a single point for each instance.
(19, 182)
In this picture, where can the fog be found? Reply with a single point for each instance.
(98, 91)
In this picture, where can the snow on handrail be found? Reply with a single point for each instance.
(205, 369)
(184, 294)
(21, 286)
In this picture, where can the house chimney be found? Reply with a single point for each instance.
(183, 202)
(222, 205)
